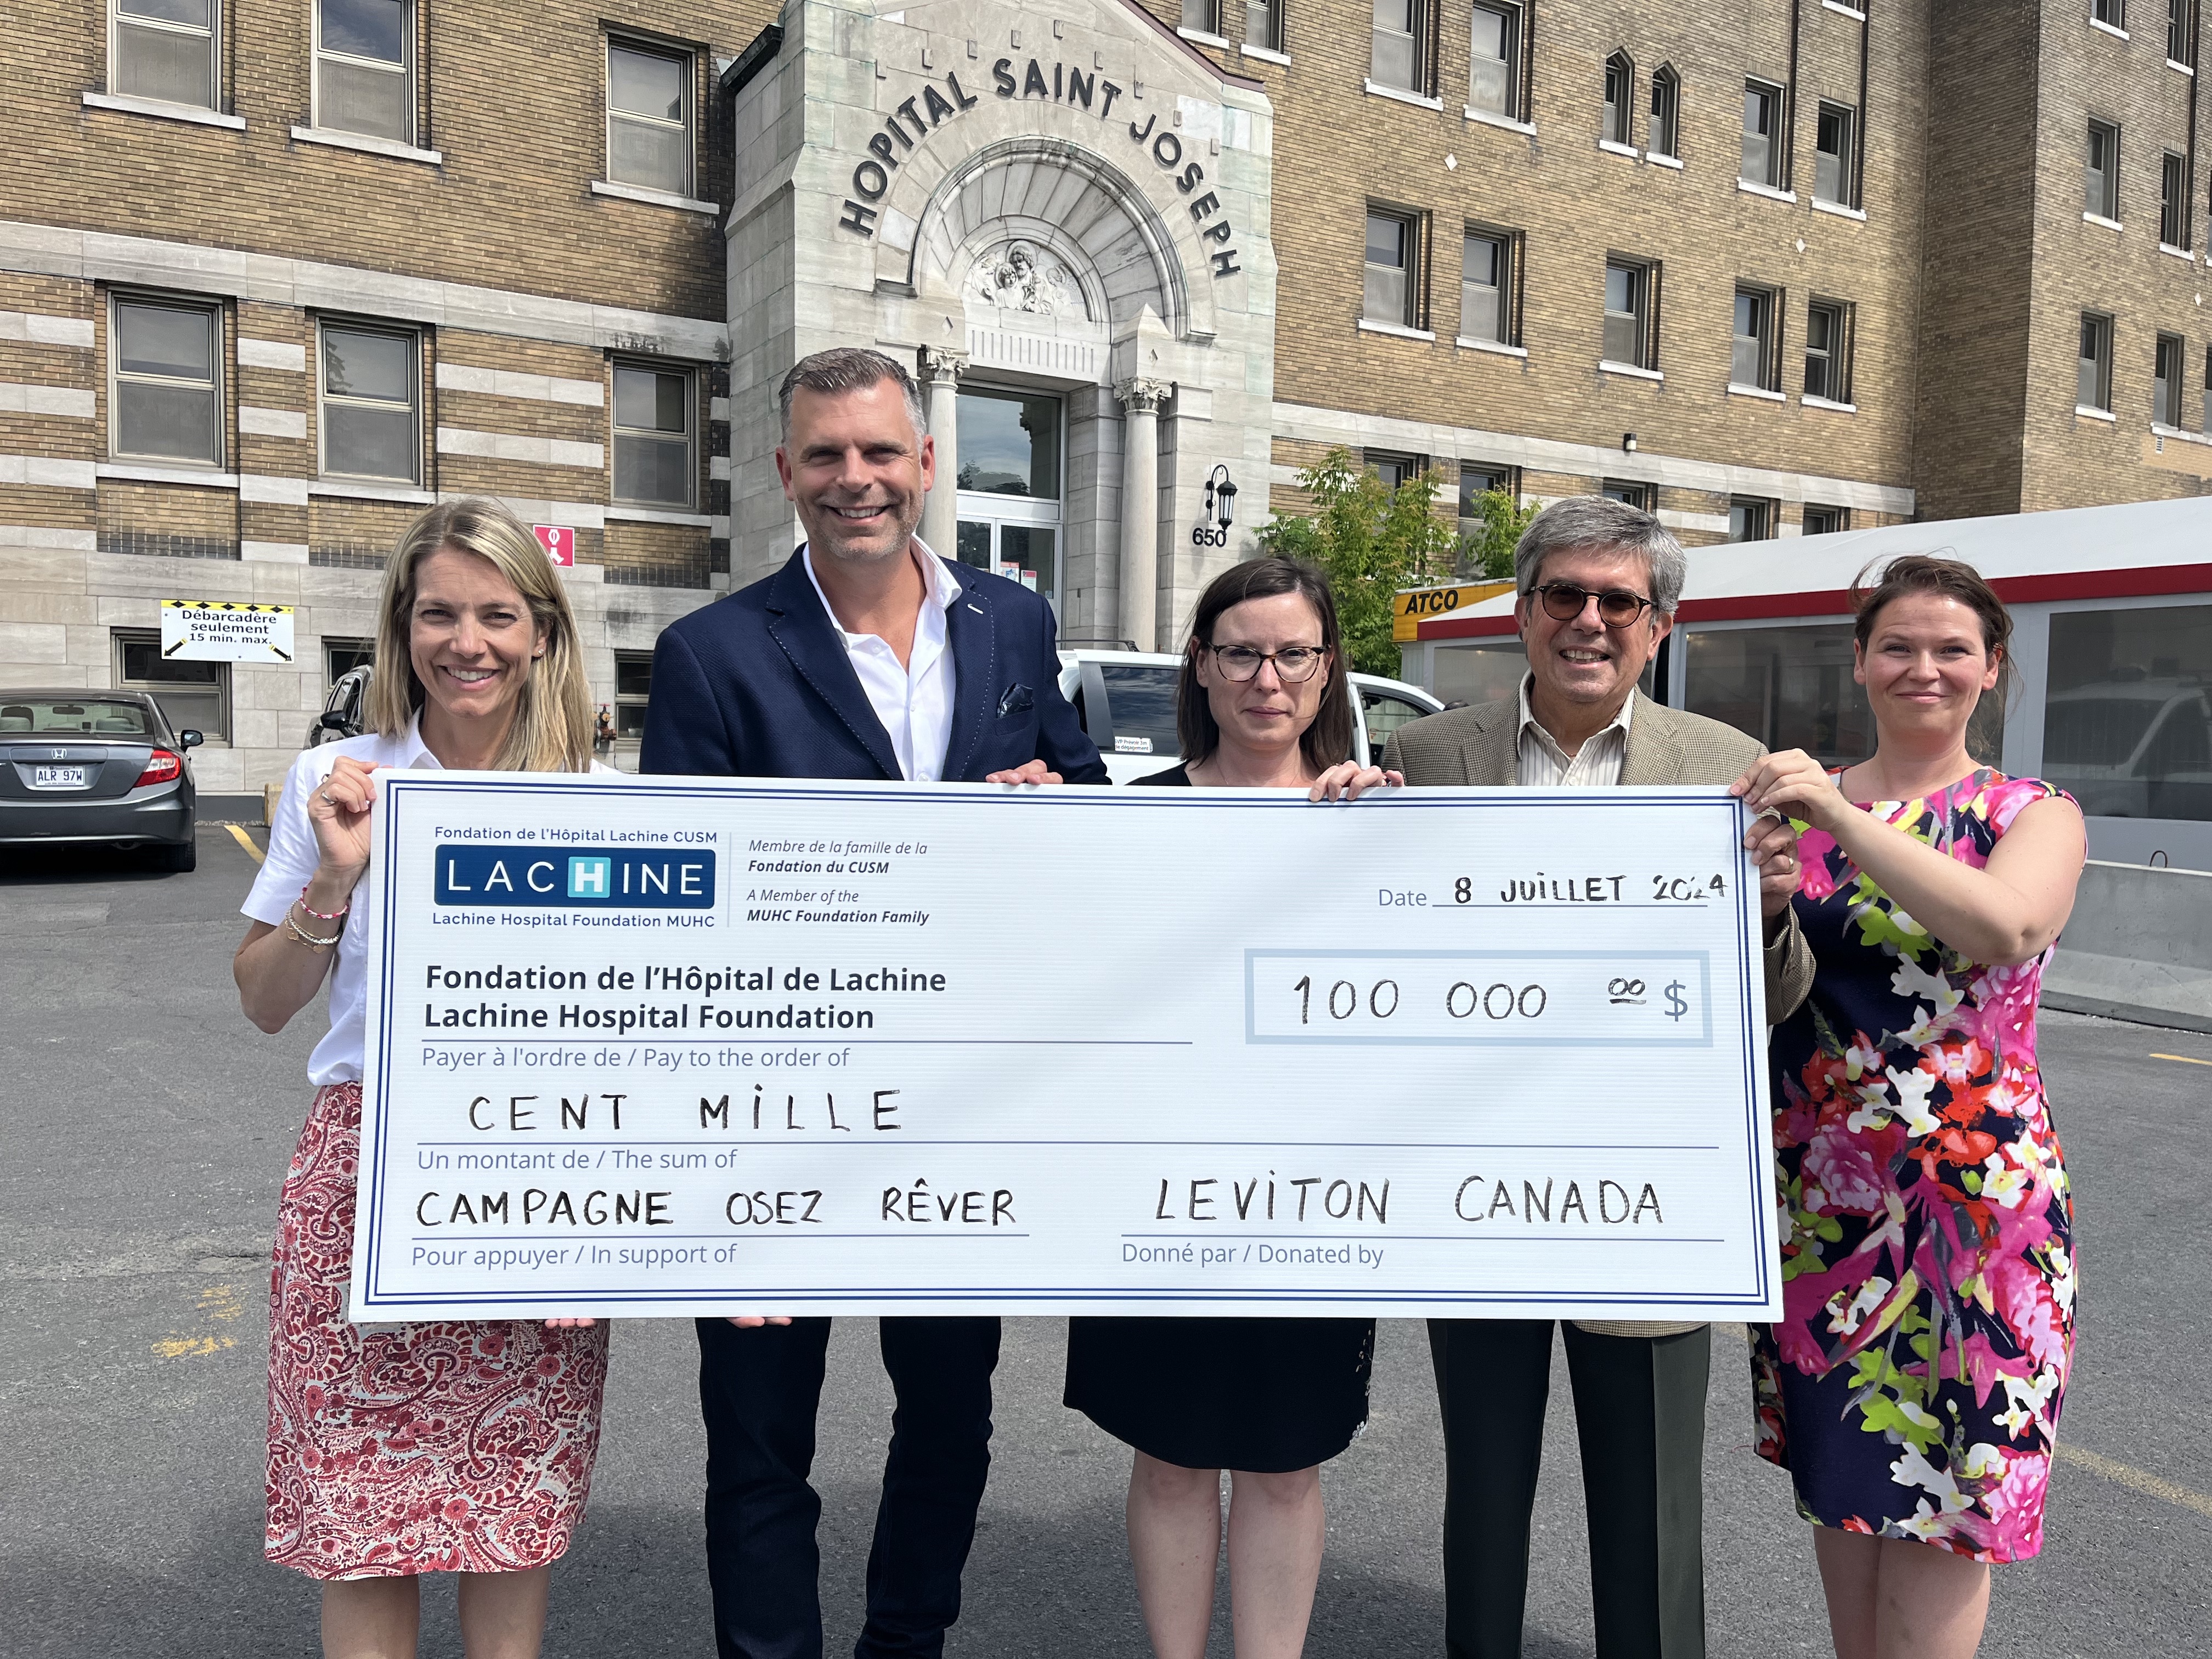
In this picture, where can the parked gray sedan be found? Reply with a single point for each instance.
(95, 766)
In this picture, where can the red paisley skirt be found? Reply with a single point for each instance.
(452, 1446)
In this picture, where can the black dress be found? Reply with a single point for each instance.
(1267, 1395)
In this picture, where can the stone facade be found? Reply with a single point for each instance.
(1127, 207)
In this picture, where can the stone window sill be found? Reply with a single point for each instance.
(657, 515)
(141, 472)
(1266, 54)
(1811, 402)
(2085, 412)
(1201, 38)
(1759, 391)
(1838, 210)
(2116, 33)
(2161, 429)
(2181, 69)
(1659, 160)
(368, 142)
(2100, 219)
(2178, 253)
(1851, 12)
(1377, 89)
(667, 198)
(1611, 147)
(365, 491)
(1768, 190)
(161, 109)
(1607, 366)
(1497, 346)
(1490, 117)
(1396, 330)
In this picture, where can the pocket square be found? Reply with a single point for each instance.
(1017, 700)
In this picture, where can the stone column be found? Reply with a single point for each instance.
(940, 513)
(1140, 509)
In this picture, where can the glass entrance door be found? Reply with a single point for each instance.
(1010, 492)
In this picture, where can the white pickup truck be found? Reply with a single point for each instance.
(1126, 702)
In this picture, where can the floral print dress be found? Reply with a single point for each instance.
(1913, 1388)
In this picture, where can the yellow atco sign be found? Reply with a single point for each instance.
(1415, 605)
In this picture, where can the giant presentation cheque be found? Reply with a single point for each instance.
(668, 1046)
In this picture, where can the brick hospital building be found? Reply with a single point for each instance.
(274, 276)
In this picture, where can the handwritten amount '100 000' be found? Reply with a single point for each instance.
(1499, 1000)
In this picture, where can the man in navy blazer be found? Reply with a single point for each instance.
(866, 656)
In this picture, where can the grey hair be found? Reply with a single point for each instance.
(1600, 522)
(850, 368)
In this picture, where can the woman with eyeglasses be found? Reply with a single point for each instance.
(1264, 703)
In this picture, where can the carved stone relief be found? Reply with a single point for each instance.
(1019, 275)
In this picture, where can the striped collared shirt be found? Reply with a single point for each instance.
(1541, 763)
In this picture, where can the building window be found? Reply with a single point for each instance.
(654, 409)
(1828, 350)
(1201, 17)
(2101, 192)
(1619, 99)
(341, 657)
(649, 118)
(2173, 200)
(194, 694)
(1263, 24)
(2180, 48)
(1476, 481)
(370, 407)
(633, 690)
(1753, 360)
(1832, 155)
(1392, 244)
(2205, 424)
(1661, 138)
(1629, 337)
(1826, 521)
(165, 49)
(1393, 469)
(364, 62)
(2093, 386)
(2113, 12)
(1494, 81)
(166, 393)
(1749, 518)
(1762, 127)
(1397, 60)
(2165, 380)
(1486, 287)
(1642, 496)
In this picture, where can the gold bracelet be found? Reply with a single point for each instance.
(308, 939)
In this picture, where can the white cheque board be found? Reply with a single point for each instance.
(673, 1045)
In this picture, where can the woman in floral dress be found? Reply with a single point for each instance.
(459, 1446)
(1913, 1389)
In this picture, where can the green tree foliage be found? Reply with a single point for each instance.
(1371, 540)
(1488, 552)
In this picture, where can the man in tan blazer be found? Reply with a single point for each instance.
(1598, 583)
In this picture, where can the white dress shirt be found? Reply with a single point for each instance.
(914, 703)
(1542, 764)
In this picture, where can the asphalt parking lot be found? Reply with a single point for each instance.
(144, 1129)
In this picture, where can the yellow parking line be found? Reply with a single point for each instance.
(238, 834)
(2136, 1479)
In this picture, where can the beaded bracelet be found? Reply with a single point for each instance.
(323, 916)
(308, 939)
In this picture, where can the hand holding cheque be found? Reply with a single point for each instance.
(691, 1046)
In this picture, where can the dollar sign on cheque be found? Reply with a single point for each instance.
(1676, 1007)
